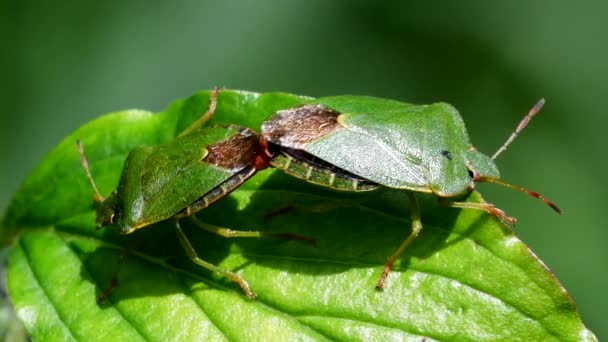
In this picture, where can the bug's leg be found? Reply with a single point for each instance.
(194, 257)
(109, 288)
(206, 116)
(487, 207)
(113, 283)
(229, 233)
(324, 207)
(416, 228)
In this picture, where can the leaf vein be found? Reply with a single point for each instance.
(413, 268)
(201, 307)
(377, 324)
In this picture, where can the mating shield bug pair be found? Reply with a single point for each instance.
(349, 143)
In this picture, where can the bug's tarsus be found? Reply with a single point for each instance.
(501, 215)
(85, 166)
(524, 190)
(487, 207)
(520, 127)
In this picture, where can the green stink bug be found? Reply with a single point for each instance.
(356, 143)
(179, 178)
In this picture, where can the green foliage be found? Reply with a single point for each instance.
(467, 277)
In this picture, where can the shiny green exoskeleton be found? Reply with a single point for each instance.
(356, 143)
(179, 178)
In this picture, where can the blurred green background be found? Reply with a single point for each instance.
(67, 62)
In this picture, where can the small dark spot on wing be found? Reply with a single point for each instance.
(446, 154)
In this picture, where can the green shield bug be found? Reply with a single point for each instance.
(179, 178)
(356, 143)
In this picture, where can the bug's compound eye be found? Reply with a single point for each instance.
(112, 216)
(475, 176)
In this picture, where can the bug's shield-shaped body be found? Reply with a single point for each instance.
(380, 142)
(180, 177)
(420, 148)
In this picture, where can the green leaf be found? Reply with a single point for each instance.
(467, 277)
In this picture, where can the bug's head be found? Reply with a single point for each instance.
(111, 212)
(482, 168)
(108, 209)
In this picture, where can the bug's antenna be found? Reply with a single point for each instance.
(206, 116)
(85, 166)
(522, 189)
(520, 127)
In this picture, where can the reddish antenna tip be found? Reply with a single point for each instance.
(537, 107)
(554, 207)
(524, 190)
(540, 197)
